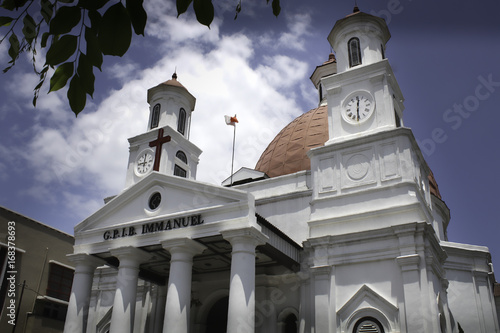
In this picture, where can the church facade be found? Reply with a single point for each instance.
(340, 227)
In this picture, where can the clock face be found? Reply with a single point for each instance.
(144, 162)
(358, 107)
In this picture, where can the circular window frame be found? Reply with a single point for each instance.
(154, 190)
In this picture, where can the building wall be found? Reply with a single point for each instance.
(38, 247)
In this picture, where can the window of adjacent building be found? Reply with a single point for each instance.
(181, 125)
(60, 281)
(3, 282)
(155, 116)
(368, 325)
(354, 52)
(49, 309)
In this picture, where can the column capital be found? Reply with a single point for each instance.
(85, 260)
(131, 254)
(245, 235)
(183, 245)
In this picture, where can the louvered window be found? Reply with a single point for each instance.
(368, 325)
(181, 124)
(354, 52)
(155, 116)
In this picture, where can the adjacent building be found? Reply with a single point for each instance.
(35, 275)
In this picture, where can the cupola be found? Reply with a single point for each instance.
(358, 39)
(170, 103)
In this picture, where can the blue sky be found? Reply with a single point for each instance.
(57, 169)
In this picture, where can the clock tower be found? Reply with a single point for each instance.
(370, 168)
(363, 96)
(165, 146)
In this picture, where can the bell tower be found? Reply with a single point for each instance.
(363, 96)
(165, 146)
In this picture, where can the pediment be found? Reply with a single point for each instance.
(367, 303)
(178, 196)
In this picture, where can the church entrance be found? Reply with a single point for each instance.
(217, 316)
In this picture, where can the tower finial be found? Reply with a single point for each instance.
(174, 76)
(356, 9)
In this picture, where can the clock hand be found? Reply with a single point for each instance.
(357, 107)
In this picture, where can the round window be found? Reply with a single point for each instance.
(154, 201)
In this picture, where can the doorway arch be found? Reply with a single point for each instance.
(217, 316)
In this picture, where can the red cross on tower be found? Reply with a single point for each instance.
(158, 143)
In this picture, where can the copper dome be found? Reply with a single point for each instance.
(286, 154)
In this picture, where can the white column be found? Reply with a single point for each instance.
(178, 301)
(78, 307)
(241, 313)
(122, 318)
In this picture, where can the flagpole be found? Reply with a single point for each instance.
(232, 159)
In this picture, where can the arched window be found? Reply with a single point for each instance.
(180, 155)
(181, 125)
(354, 52)
(155, 116)
(368, 325)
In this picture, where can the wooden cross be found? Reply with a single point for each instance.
(158, 143)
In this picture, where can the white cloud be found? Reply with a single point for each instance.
(283, 71)
(294, 39)
(164, 24)
(91, 152)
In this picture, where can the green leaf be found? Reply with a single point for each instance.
(182, 6)
(45, 37)
(92, 4)
(86, 74)
(5, 21)
(29, 28)
(137, 15)
(13, 4)
(61, 76)
(276, 7)
(95, 20)
(14, 47)
(115, 32)
(65, 20)
(61, 50)
(94, 54)
(238, 10)
(76, 95)
(47, 10)
(204, 10)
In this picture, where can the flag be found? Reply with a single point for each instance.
(231, 120)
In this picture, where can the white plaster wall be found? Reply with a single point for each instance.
(470, 291)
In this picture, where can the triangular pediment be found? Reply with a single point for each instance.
(177, 196)
(367, 303)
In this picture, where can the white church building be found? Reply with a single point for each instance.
(339, 228)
